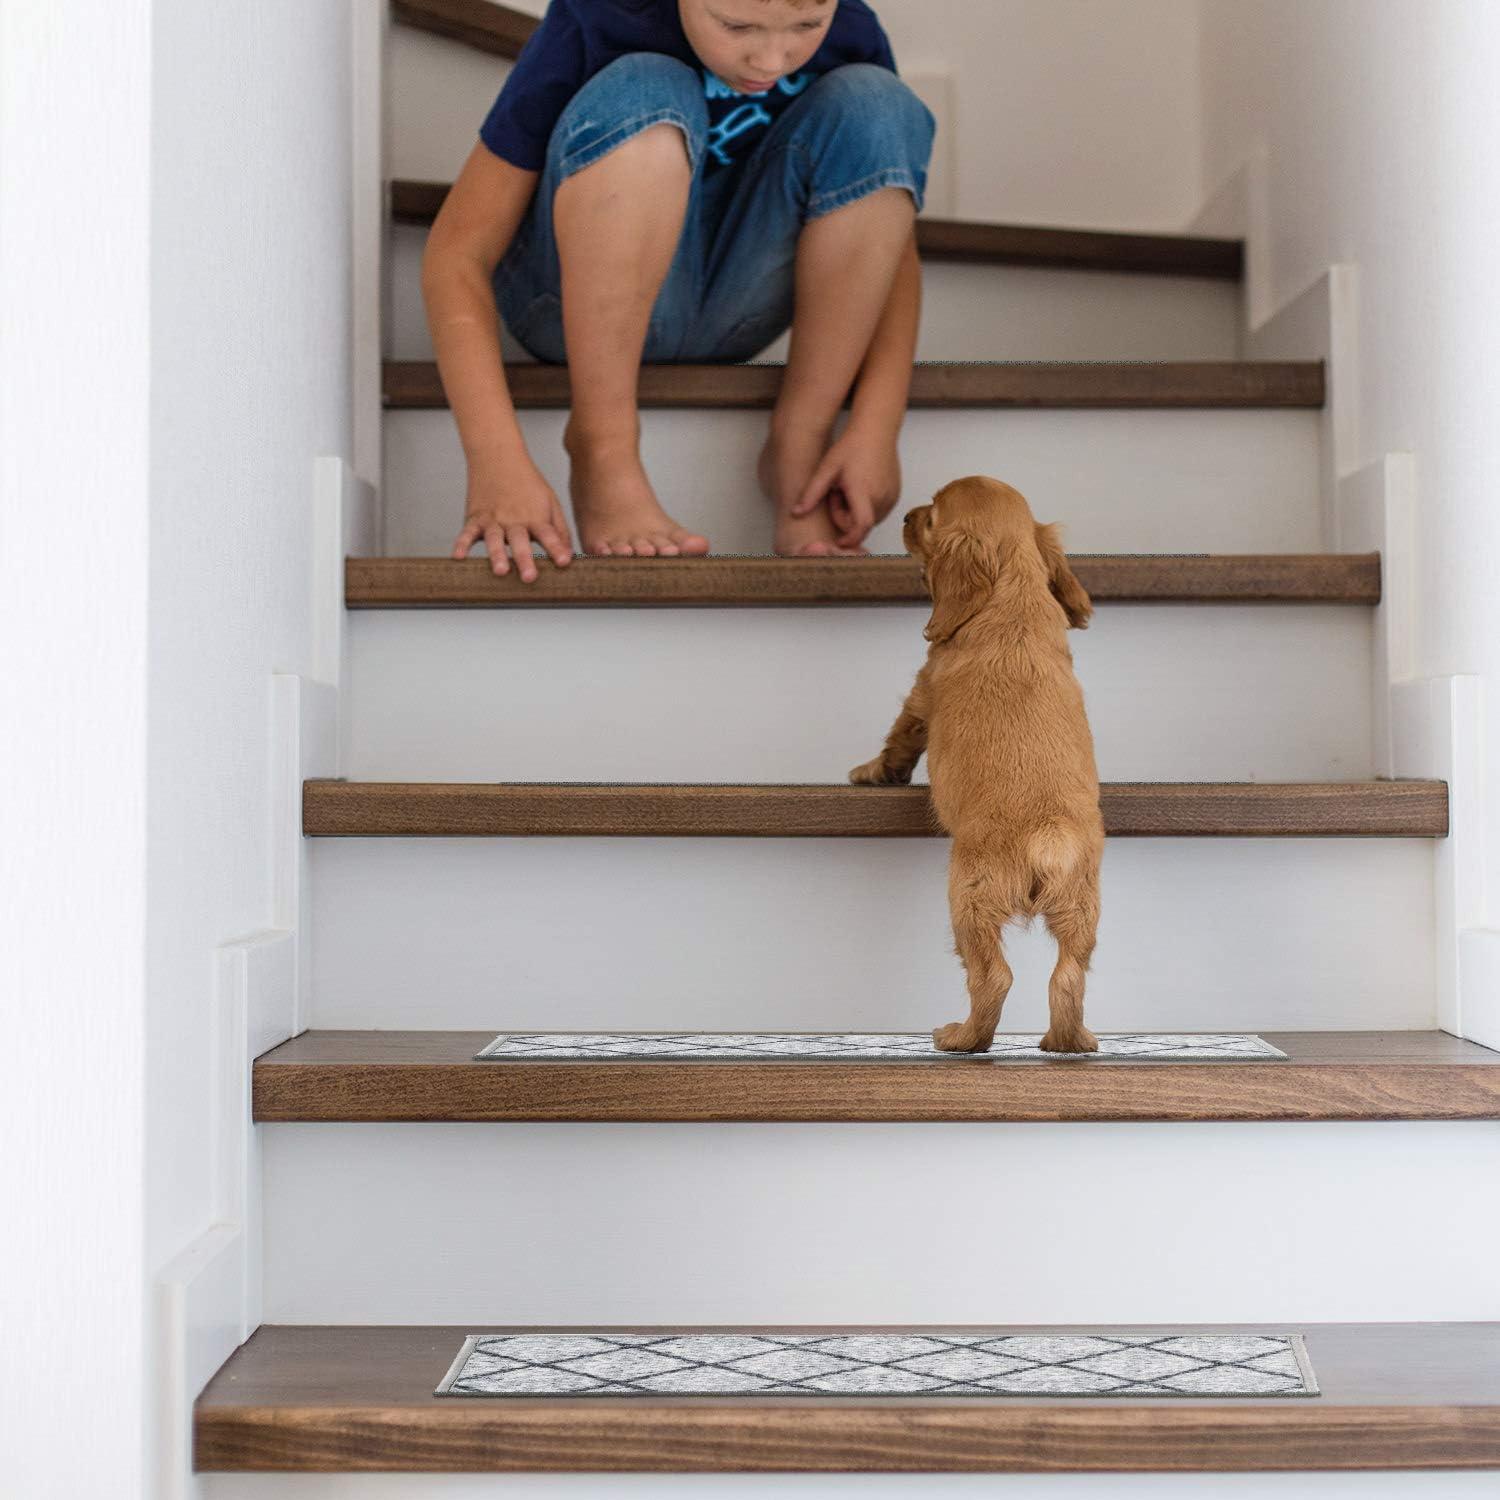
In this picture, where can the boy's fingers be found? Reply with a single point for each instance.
(859, 517)
(555, 546)
(466, 539)
(520, 547)
(812, 496)
(494, 543)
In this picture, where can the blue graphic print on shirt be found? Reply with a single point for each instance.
(735, 117)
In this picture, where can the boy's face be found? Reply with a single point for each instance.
(750, 44)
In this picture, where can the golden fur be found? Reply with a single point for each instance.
(1000, 714)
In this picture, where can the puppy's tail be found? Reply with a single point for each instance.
(1060, 859)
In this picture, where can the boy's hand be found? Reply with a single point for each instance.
(860, 478)
(509, 508)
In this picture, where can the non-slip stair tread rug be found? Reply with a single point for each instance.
(927, 1364)
(601, 1046)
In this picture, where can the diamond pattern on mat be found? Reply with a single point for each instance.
(590, 1046)
(709, 1364)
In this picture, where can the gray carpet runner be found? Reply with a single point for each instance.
(889, 1046)
(879, 1364)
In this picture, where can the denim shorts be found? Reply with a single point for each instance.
(729, 290)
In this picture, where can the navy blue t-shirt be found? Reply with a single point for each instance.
(579, 37)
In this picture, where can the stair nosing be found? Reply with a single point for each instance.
(500, 30)
(334, 808)
(360, 1400)
(395, 1076)
(731, 581)
(1050, 385)
(967, 241)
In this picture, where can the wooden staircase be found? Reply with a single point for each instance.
(666, 1199)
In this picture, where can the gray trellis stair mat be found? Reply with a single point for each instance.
(854, 1046)
(893, 1364)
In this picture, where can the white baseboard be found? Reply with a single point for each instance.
(208, 1299)
(1437, 730)
(369, 221)
(1321, 322)
(196, 1307)
(1479, 984)
(1238, 209)
(1374, 513)
(345, 524)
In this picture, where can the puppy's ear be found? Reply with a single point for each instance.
(961, 574)
(1066, 589)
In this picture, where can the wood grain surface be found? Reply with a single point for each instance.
(414, 384)
(441, 583)
(1395, 1396)
(368, 809)
(986, 244)
(432, 1075)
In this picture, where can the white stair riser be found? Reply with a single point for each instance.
(970, 312)
(880, 1224)
(1190, 693)
(853, 934)
(1419, 1486)
(1120, 481)
(437, 93)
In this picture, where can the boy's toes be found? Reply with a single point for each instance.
(689, 543)
(643, 546)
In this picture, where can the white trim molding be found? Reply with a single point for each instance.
(207, 1300)
(369, 212)
(1437, 730)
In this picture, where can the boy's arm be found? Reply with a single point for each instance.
(883, 385)
(509, 503)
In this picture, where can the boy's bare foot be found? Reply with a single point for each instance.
(786, 464)
(616, 509)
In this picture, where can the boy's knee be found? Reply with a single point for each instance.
(876, 102)
(634, 92)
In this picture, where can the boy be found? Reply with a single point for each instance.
(672, 180)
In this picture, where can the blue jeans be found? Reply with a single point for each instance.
(729, 290)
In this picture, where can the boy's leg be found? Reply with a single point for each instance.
(617, 223)
(814, 239)
(846, 265)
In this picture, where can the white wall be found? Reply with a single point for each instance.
(74, 379)
(1069, 112)
(250, 340)
(1376, 121)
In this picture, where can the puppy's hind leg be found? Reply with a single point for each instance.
(1073, 926)
(978, 914)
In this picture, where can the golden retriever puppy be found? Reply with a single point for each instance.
(1000, 714)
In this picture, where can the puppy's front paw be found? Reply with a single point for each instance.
(877, 773)
(959, 1037)
(1081, 1040)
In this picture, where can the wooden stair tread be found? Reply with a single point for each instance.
(963, 240)
(1412, 809)
(433, 1075)
(441, 583)
(1054, 385)
(498, 29)
(359, 1399)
